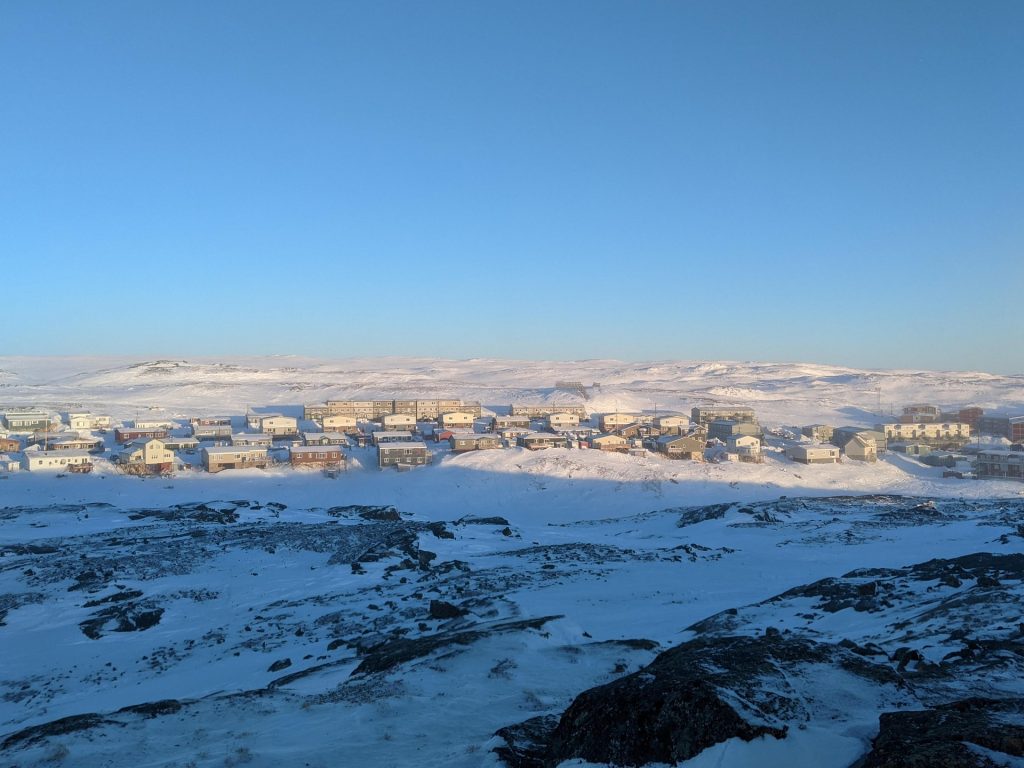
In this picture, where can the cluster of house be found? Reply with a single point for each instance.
(399, 431)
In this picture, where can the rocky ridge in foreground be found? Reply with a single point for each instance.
(937, 648)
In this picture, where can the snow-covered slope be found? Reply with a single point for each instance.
(257, 631)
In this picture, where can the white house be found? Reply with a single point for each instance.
(609, 422)
(88, 421)
(562, 420)
(398, 421)
(276, 425)
(9, 463)
(154, 424)
(671, 423)
(457, 420)
(746, 447)
(35, 461)
(339, 423)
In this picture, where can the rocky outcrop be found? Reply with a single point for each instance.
(938, 632)
(690, 698)
(963, 734)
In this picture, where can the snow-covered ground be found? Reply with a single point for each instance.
(117, 591)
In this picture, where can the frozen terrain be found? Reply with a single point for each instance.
(498, 606)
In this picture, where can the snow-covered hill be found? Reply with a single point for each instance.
(782, 393)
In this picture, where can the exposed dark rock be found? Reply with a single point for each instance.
(425, 557)
(440, 609)
(117, 597)
(943, 737)
(439, 530)
(387, 514)
(127, 617)
(64, 725)
(390, 654)
(526, 742)
(689, 698)
(280, 664)
(695, 515)
(154, 708)
(495, 520)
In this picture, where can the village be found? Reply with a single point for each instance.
(337, 435)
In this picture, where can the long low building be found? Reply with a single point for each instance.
(543, 411)
(371, 410)
(820, 453)
(392, 436)
(252, 438)
(681, 447)
(499, 423)
(35, 461)
(929, 433)
(131, 434)
(211, 431)
(27, 421)
(536, 441)
(462, 442)
(220, 457)
(705, 414)
(181, 443)
(316, 456)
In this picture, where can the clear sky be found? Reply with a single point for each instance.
(808, 181)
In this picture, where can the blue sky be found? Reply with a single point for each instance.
(804, 181)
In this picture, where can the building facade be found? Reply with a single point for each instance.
(130, 434)
(930, 433)
(820, 453)
(339, 423)
(35, 461)
(409, 453)
(27, 421)
(1001, 465)
(316, 456)
(609, 422)
(681, 447)
(558, 422)
(393, 422)
(147, 457)
(536, 441)
(705, 414)
(221, 457)
(543, 411)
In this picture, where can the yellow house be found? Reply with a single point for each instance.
(149, 456)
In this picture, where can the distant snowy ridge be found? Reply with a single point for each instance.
(782, 393)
